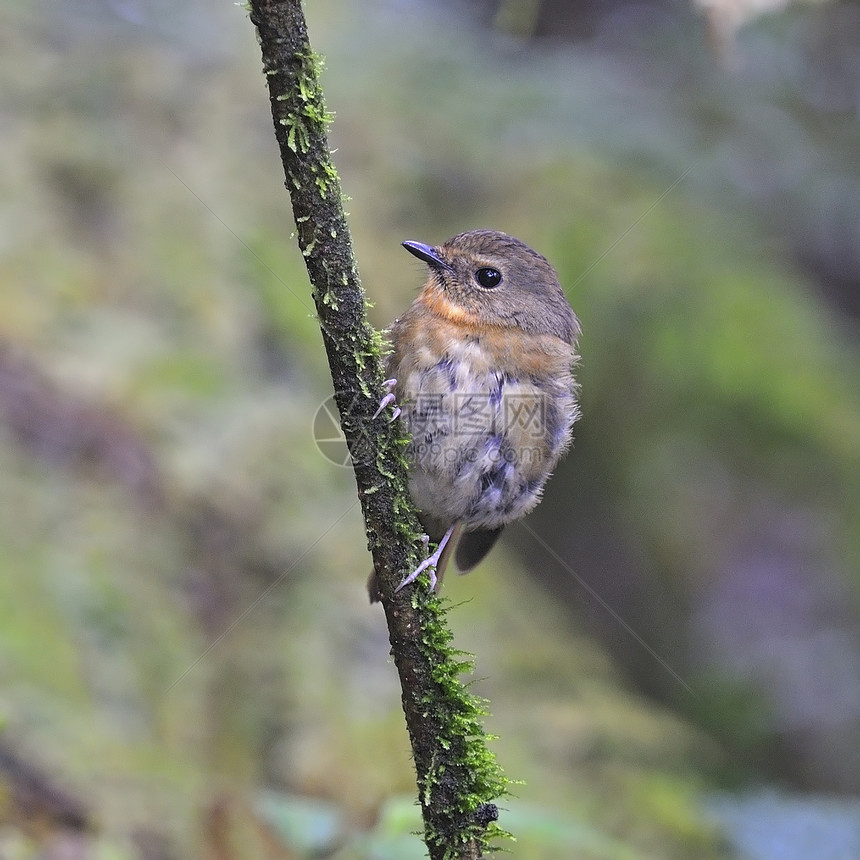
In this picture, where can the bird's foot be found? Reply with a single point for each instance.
(429, 562)
(388, 398)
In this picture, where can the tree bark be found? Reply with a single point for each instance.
(457, 775)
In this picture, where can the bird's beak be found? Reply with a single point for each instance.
(426, 253)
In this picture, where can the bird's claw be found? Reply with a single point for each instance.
(429, 562)
(388, 398)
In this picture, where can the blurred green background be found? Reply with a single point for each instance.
(188, 664)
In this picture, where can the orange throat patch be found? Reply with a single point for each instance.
(435, 300)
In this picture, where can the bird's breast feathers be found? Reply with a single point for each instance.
(490, 412)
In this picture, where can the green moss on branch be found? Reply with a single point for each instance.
(458, 777)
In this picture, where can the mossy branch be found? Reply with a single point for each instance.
(457, 775)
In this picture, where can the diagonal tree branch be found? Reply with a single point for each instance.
(457, 775)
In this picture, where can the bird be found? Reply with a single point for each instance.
(482, 377)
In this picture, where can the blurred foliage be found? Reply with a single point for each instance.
(770, 826)
(188, 666)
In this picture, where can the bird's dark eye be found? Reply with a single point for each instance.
(488, 278)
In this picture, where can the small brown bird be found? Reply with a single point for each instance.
(482, 368)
